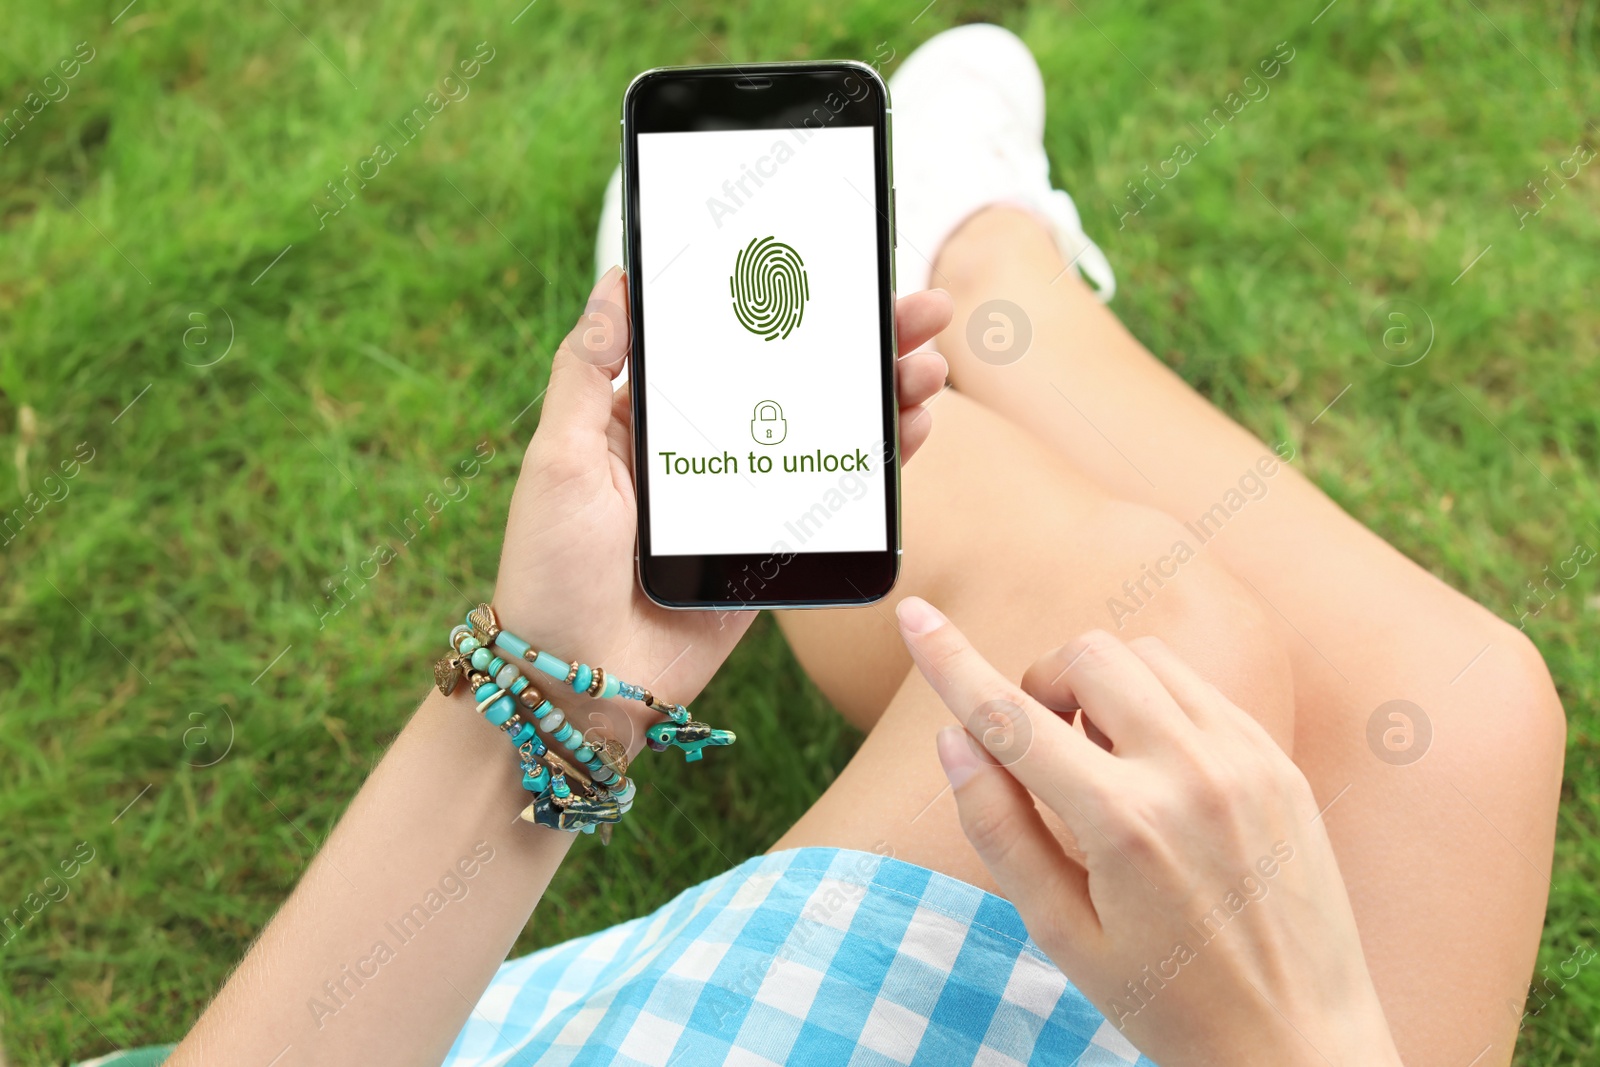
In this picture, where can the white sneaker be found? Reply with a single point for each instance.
(968, 133)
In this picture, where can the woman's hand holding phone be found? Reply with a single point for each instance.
(1199, 905)
(567, 580)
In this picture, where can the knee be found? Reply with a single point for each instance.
(1528, 674)
(1512, 692)
(1165, 582)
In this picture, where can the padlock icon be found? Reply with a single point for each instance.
(768, 427)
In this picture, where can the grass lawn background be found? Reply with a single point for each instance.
(167, 699)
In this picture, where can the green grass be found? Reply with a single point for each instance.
(144, 614)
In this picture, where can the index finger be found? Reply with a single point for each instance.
(1049, 754)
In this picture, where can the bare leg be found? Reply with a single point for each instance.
(1446, 858)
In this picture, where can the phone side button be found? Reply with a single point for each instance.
(894, 219)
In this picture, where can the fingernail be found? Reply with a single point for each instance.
(607, 282)
(960, 763)
(917, 616)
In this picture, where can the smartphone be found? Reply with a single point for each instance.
(759, 218)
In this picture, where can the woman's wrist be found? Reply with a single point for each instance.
(1354, 1035)
(466, 747)
(574, 757)
(573, 784)
(1365, 1040)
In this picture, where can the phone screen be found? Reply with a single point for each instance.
(766, 430)
(764, 440)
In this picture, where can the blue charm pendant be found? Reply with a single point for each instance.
(572, 812)
(691, 736)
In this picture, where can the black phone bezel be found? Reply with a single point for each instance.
(764, 96)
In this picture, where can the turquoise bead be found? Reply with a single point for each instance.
(542, 710)
(560, 788)
(511, 644)
(520, 684)
(495, 665)
(626, 794)
(584, 677)
(524, 733)
(564, 734)
(500, 711)
(468, 645)
(481, 657)
(612, 687)
(584, 754)
(552, 666)
(536, 782)
(484, 691)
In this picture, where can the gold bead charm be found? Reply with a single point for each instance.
(447, 673)
(485, 625)
(613, 754)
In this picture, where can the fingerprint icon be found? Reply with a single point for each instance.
(769, 288)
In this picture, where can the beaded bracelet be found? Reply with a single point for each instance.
(591, 790)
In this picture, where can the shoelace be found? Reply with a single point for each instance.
(1076, 245)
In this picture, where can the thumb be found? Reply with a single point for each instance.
(578, 400)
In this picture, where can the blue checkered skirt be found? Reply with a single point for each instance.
(815, 956)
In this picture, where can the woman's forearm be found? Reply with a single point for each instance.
(382, 950)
